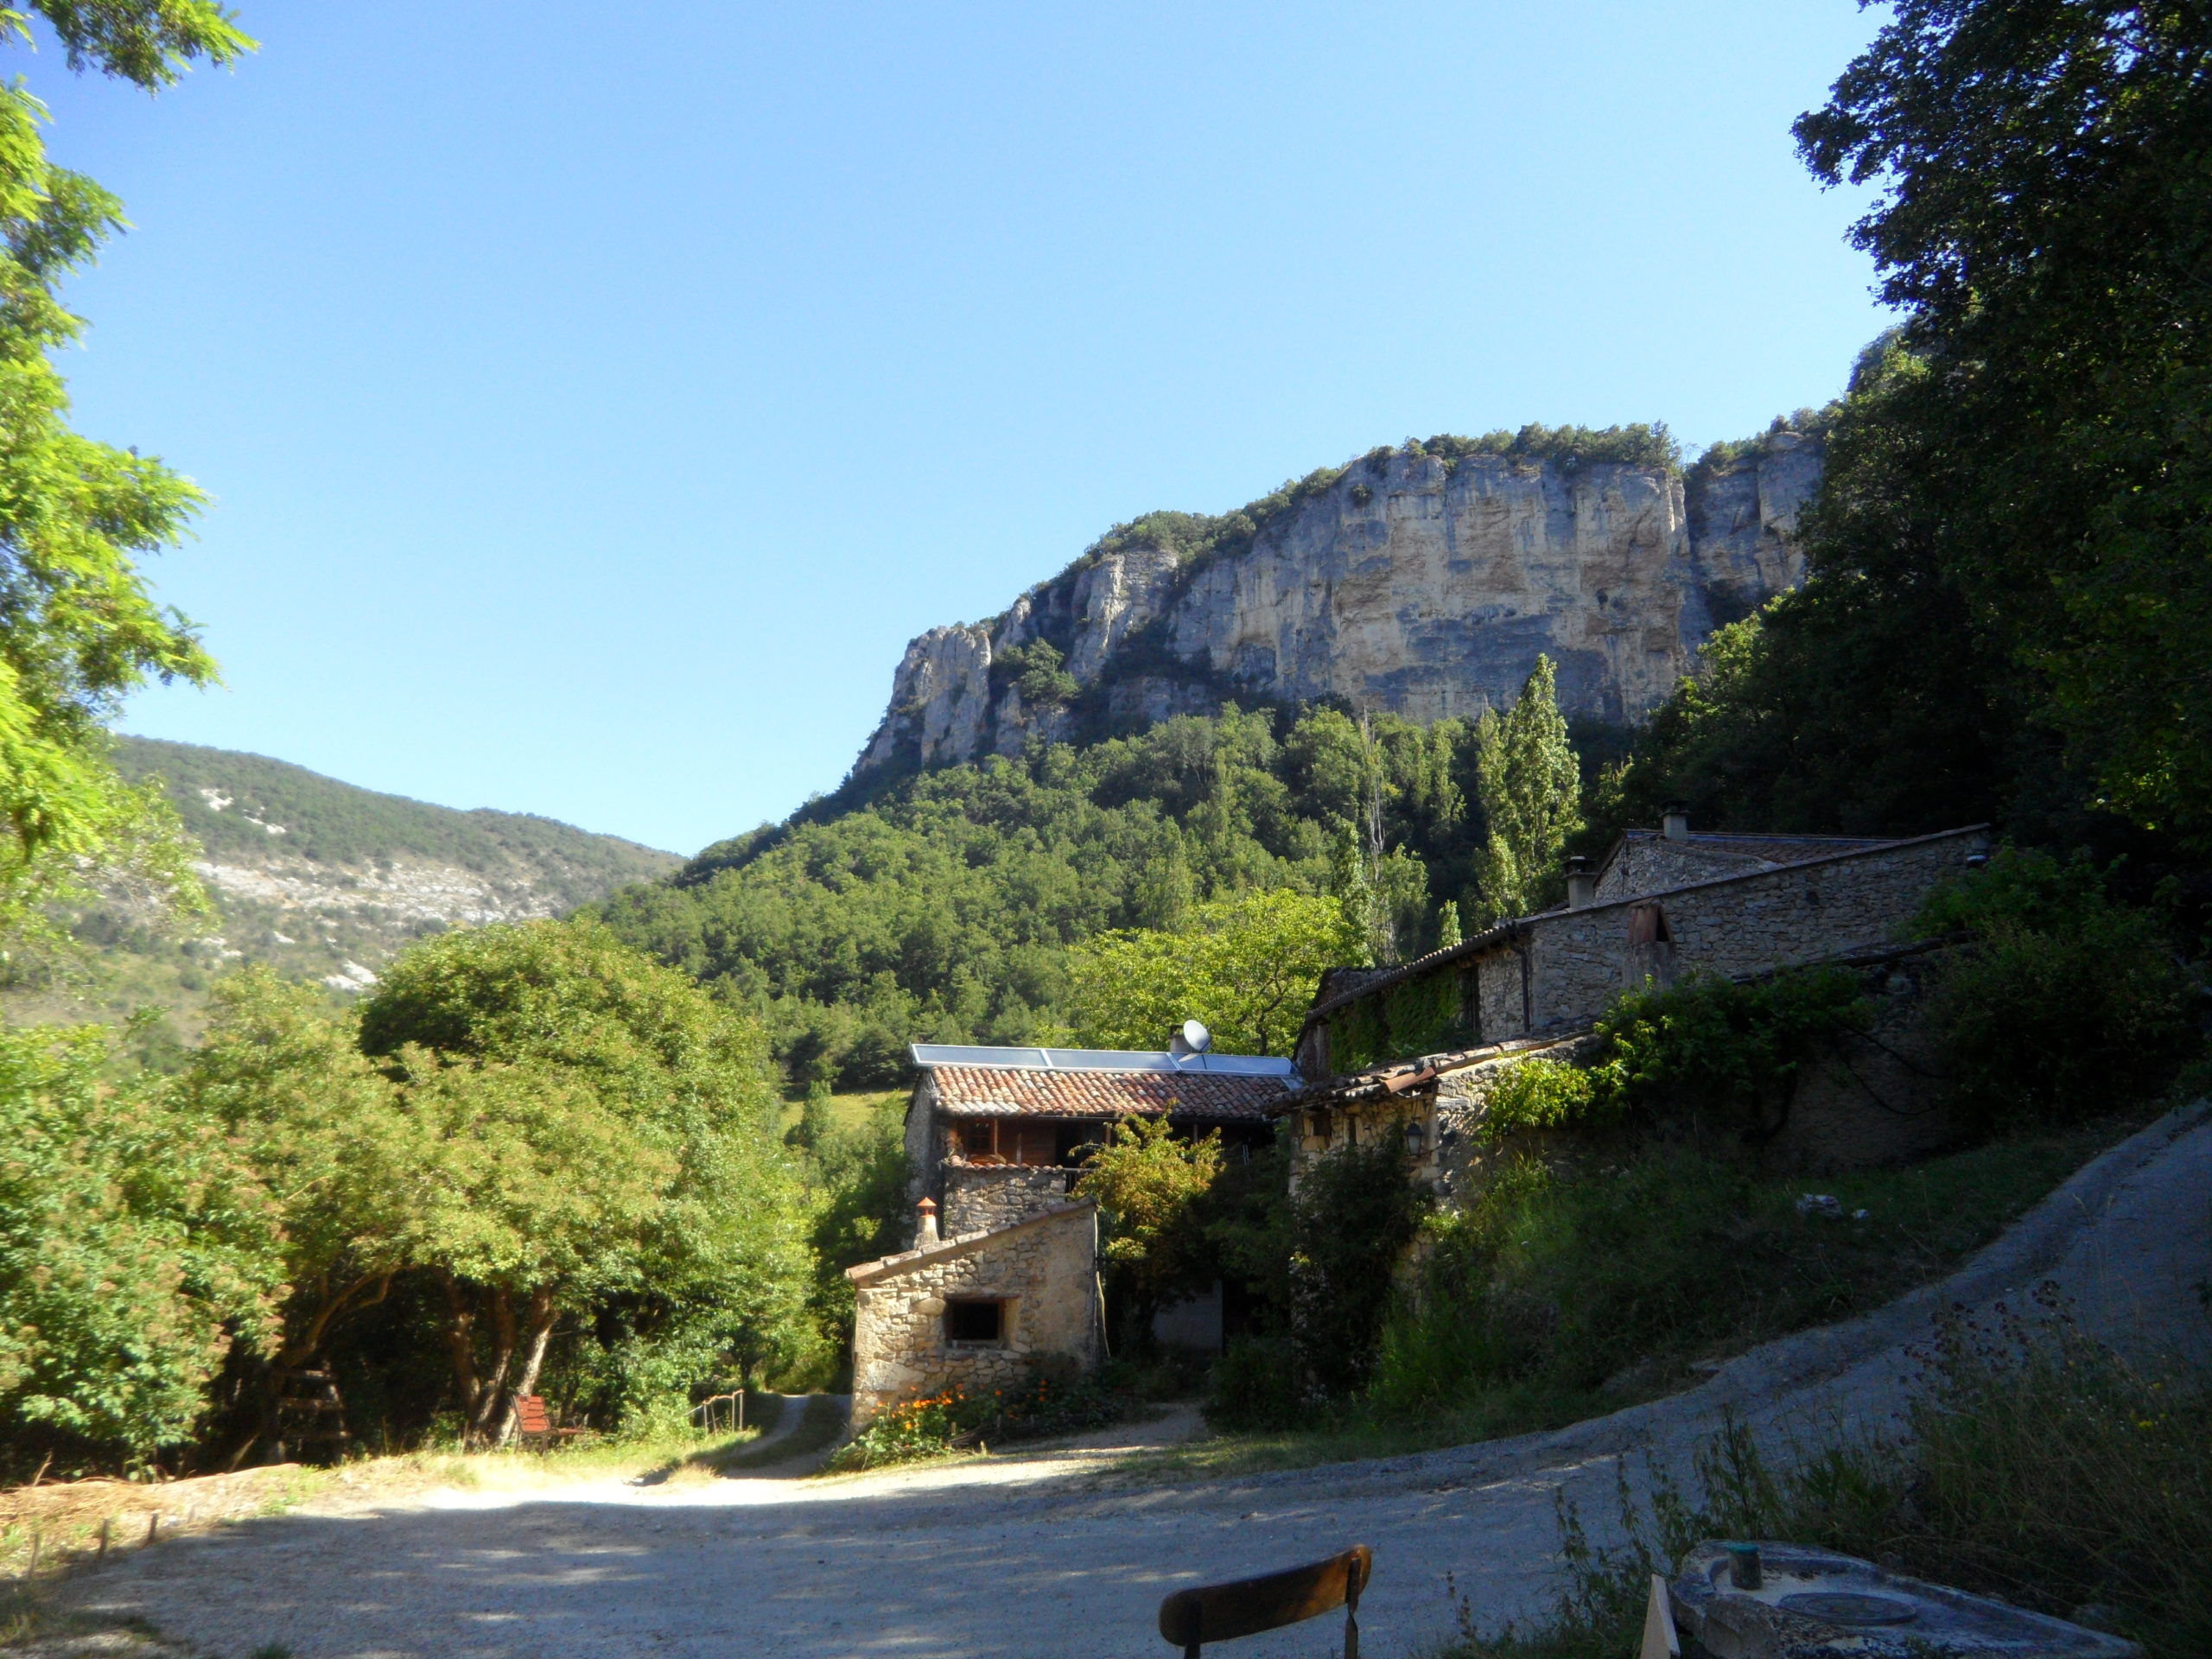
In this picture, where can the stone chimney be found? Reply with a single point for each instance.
(1581, 884)
(1674, 821)
(926, 1235)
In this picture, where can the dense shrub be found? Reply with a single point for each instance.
(913, 1429)
(1559, 1278)
(1353, 1217)
(2063, 1005)
(1560, 1286)
(1710, 1050)
(1318, 1266)
(137, 1249)
(1713, 1048)
(1538, 1094)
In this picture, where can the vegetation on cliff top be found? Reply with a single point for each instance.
(1196, 539)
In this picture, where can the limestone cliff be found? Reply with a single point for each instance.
(1422, 583)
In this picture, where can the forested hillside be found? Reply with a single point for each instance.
(942, 910)
(246, 810)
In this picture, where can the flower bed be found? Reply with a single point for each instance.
(956, 1420)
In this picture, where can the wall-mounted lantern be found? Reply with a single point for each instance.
(1416, 1138)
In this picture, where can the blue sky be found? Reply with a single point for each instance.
(594, 401)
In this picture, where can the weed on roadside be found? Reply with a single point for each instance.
(2036, 1466)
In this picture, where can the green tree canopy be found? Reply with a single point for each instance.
(78, 627)
(326, 1132)
(136, 1247)
(599, 1128)
(1151, 1186)
(1530, 788)
(942, 909)
(1247, 967)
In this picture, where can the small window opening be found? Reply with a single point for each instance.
(1647, 925)
(975, 1321)
(977, 1140)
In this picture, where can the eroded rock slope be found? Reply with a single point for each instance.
(1417, 582)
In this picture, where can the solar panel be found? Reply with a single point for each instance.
(1101, 1059)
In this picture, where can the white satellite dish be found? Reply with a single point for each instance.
(1193, 1039)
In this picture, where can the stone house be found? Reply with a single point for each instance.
(1411, 1052)
(1661, 906)
(995, 1135)
(981, 1311)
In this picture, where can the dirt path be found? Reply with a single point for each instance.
(1037, 1557)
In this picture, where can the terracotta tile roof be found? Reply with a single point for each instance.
(1405, 1077)
(1003, 1090)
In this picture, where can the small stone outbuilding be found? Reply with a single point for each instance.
(982, 1310)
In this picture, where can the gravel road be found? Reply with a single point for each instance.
(1042, 1557)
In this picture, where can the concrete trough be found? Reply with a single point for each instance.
(1768, 1600)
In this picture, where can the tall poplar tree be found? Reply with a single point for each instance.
(1530, 788)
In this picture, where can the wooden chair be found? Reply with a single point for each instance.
(1222, 1612)
(534, 1426)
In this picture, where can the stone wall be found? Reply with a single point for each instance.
(1043, 1270)
(1580, 960)
(1862, 1100)
(1561, 970)
(1868, 1101)
(1647, 865)
(980, 1198)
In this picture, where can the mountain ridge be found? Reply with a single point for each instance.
(321, 879)
(1422, 580)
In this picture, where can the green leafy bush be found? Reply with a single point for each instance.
(1037, 671)
(2063, 1004)
(1560, 1287)
(137, 1249)
(1710, 1044)
(913, 1429)
(1706, 1046)
(1538, 1094)
(956, 1419)
(1353, 1217)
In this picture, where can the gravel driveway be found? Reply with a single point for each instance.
(1040, 1558)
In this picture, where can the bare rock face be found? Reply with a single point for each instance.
(940, 698)
(1411, 583)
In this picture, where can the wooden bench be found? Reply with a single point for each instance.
(534, 1426)
(1222, 1612)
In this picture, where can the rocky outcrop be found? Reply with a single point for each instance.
(1408, 582)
